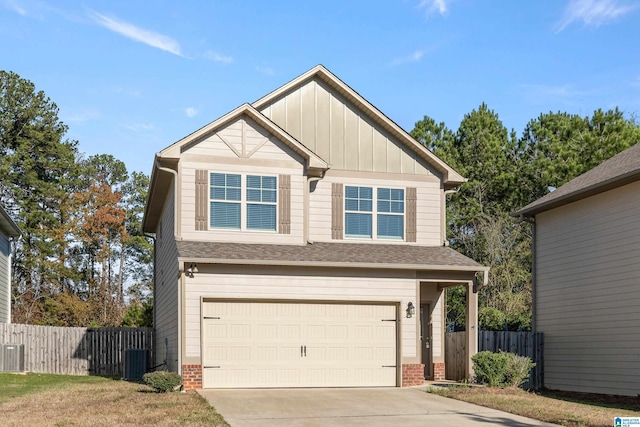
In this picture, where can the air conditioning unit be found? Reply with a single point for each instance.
(12, 358)
(135, 363)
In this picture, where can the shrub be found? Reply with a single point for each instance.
(162, 381)
(501, 369)
(518, 370)
(490, 368)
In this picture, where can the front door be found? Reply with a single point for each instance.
(425, 339)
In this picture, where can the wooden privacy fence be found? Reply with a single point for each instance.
(521, 343)
(76, 351)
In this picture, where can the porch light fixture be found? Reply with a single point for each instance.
(411, 309)
(193, 268)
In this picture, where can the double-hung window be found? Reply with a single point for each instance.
(242, 202)
(390, 213)
(261, 202)
(358, 208)
(226, 200)
(374, 212)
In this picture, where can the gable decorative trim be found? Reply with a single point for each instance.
(337, 211)
(411, 214)
(284, 204)
(201, 199)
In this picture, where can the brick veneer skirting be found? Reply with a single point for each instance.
(412, 374)
(191, 377)
(438, 371)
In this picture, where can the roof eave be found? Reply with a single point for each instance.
(158, 184)
(7, 224)
(535, 208)
(290, 263)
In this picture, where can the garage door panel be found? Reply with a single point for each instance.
(251, 344)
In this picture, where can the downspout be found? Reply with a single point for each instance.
(307, 197)
(180, 265)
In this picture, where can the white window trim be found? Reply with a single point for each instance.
(243, 203)
(374, 214)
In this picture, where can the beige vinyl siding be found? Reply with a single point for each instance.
(5, 282)
(166, 303)
(336, 130)
(244, 139)
(427, 206)
(316, 284)
(241, 147)
(188, 205)
(588, 292)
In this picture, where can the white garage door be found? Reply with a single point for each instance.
(258, 344)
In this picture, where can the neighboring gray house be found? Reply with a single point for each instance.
(586, 282)
(8, 230)
(300, 242)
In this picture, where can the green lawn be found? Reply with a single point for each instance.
(15, 385)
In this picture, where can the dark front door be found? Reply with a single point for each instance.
(425, 339)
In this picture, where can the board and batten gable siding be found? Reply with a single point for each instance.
(5, 280)
(310, 284)
(588, 292)
(425, 222)
(337, 131)
(166, 292)
(242, 147)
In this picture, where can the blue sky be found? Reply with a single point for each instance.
(131, 78)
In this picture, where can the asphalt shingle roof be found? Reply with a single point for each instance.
(328, 253)
(621, 169)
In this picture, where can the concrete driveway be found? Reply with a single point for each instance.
(369, 407)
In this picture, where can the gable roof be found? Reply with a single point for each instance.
(321, 254)
(313, 160)
(451, 178)
(160, 180)
(619, 170)
(7, 226)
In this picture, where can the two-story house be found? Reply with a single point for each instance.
(300, 242)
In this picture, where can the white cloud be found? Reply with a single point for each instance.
(190, 112)
(138, 34)
(414, 57)
(432, 6)
(268, 71)
(215, 56)
(593, 13)
(14, 6)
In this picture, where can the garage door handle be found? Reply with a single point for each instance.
(389, 366)
(215, 318)
(305, 351)
(211, 367)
